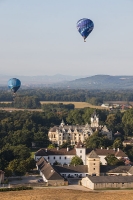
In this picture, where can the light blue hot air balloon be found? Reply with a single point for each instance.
(14, 84)
(85, 26)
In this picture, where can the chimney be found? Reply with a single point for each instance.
(45, 150)
(114, 149)
(67, 148)
(57, 148)
(118, 149)
(101, 147)
(107, 148)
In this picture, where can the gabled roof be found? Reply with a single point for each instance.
(105, 129)
(48, 171)
(41, 152)
(116, 169)
(111, 179)
(105, 152)
(79, 145)
(71, 168)
(55, 151)
(93, 154)
(120, 153)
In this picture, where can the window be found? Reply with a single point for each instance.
(80, 151)
(48, 157)
(60, 157)
(80, 156)
(93, 168)
(65, 157)
(54, 157)
(94, 159)
(94, 164)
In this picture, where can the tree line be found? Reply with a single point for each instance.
(96, 97)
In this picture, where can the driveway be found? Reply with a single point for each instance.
(24, 179)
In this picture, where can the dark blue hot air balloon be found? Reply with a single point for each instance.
(85, 26)
(14, 84)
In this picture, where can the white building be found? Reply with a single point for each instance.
(65, 155)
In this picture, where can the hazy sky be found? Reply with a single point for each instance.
(39, 37)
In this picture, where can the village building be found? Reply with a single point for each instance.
(128, 142)
(92, 174)
(123, 170)
(76, 133)
(103, 182)
(65, 155)
(49, 174)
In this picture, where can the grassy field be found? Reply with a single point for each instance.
(62, 194)
(77, 104)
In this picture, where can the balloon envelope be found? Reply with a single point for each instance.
(85, 26)
(14, 84)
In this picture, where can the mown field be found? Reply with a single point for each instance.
(62, 194)
(77, 104)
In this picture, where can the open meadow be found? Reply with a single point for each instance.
(62, 194)
(76, 104)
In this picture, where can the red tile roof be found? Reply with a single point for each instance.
(47, 152)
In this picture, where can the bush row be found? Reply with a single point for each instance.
(15, 189)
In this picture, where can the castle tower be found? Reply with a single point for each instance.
(93, 162)
(94, 120)
(62, 123)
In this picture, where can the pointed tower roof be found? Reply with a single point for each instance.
(93, 154)
(62, 123)
(79, 145)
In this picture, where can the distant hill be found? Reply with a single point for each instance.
(73, 82)
(38, 80)
(100, 82)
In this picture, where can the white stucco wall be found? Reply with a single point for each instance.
(87, 183)
(80, 152)
(102, 160)
(74, 174)
(59, 158)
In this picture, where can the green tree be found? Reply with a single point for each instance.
(117, 143)
(112, 160)
(76, 161)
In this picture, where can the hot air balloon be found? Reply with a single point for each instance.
(85, 26)
(14, 84)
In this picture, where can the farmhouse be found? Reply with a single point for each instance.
(102, 182)
(92, 174)
(76, 133)
(49, 174)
